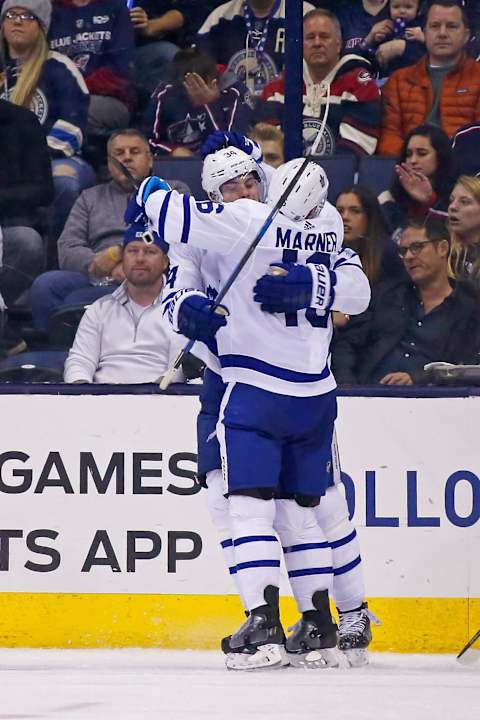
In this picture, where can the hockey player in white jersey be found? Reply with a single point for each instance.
(193, 280)
(279, 408)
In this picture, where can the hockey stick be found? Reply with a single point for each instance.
(125, 171)
(168, 377)
(469, 654)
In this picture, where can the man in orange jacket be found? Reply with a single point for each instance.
(442, 89)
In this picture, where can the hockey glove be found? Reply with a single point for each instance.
(287, 287)
(135, 211)
(197, 320)
(224, 138)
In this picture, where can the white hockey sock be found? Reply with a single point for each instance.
(218, 507)
(348, 583)
(256, 547)
(308, 556)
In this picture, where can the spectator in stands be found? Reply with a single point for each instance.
(52, 87)
(88, 248)
(424, 177)
(464, 222)
(157, 24)
(442, 89)
(26, 186)
(248, 39)
(366, 232)
(124, 337)
(98, 37)
(186, 111)
(466, 148)
(271, 141)
(399, 41)
(352, 103)
(427, 317)
(360, 20)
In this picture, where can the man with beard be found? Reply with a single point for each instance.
(123, 337)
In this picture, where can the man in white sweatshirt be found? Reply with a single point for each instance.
(124, 337)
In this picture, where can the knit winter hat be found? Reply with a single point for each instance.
(42, 9)
(139, 231)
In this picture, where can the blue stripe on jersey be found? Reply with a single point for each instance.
(254, 538)
(305, 546)
(65, 137)
(310, 571)
(168, 301)
(232, 570)
(163, 215)
(343, 541)
(342, 261)
(186, 219)
(226, 543)
(258, 563)
(348, 566)
(348, 264)
(249, 363)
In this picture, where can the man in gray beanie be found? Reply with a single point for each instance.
(41, 9)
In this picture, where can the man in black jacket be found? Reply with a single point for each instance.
(25, 186)
(424, 318)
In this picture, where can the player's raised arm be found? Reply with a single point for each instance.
(181, 219)
(351, 289)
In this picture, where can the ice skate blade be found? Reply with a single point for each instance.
(267, 657)
(356, 657)
(315, 659)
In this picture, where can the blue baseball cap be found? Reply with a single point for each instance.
(140, 231)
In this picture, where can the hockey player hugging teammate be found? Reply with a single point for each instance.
(278, 411)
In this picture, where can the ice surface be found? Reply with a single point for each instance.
(192, 685)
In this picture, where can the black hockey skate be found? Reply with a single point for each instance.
(355, 634)
(313, 643)
(259, 643)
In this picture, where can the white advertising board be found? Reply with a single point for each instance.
(97, 495)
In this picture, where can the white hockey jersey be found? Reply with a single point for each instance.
(287, 354)
(192, 272)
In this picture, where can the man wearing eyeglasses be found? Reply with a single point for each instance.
(411, 321)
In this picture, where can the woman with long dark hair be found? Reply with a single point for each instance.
(424, 177)
(366, 232)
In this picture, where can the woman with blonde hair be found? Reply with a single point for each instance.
(50, 85)
(464, 223)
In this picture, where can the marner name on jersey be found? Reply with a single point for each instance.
(313, 242)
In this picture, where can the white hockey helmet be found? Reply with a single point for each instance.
(308, 194)
(228, 164)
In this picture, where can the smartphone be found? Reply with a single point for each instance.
(130, 4)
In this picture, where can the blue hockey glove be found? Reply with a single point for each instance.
(224, 138)
(287, 287)
(197, 320)
(135, 211)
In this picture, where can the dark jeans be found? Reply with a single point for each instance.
(70, 177)
(59, 288)
(23, 260)
(151, 64)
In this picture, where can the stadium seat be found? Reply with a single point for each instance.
(63, 325)
(341, 173)
(188, 170)
(45, 366)
(376, 172)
